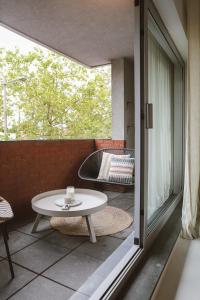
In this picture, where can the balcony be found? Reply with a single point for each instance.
(48, 260)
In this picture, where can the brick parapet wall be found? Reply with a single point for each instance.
(32, 167)
(108, 143)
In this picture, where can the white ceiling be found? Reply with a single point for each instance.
(92, 32)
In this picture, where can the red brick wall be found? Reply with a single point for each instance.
(31, 167)
(109, 143)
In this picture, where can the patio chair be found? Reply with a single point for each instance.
(89, 170)
(6, 214)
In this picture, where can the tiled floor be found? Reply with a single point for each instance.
(50, 265)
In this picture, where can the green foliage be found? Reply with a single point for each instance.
(59, 99)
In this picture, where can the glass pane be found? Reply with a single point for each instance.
(160, 155)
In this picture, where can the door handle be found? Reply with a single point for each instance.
(149, 115)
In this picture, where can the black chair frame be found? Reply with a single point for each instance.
(4, 231)
(90, 167)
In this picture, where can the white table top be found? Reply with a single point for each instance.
(92, 201)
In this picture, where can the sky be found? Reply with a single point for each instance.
(11, 40)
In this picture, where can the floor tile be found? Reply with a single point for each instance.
(129, 194)
(43, 229)
(90, 286)
(131, 211)
(124, 233)
(39, 256)
(7, 285)
(123, 201)
(17, 241)
(111, 195)
(73, 270)
(43, 289)
(102, 248)
(63, 240)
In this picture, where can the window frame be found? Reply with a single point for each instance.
(151, 12)
(144, 234)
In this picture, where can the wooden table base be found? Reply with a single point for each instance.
(88, 222)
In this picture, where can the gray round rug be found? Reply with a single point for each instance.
(108, 221)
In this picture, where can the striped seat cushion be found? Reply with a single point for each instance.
(105, 164)
(6, 212)
(121, 170)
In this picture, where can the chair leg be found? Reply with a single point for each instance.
(5, 237)
(6, 233)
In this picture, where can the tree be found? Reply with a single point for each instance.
(59, 99)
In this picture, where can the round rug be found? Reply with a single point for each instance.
(110, 220)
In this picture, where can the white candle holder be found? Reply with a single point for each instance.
(70, 193)
(69, 199)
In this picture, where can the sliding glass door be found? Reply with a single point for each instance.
(163, 143)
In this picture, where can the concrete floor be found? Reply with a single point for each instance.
(50, 265)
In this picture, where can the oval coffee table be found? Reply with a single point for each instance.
(91, 202)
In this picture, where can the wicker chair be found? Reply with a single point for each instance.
(6, 214)
(89, 170)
